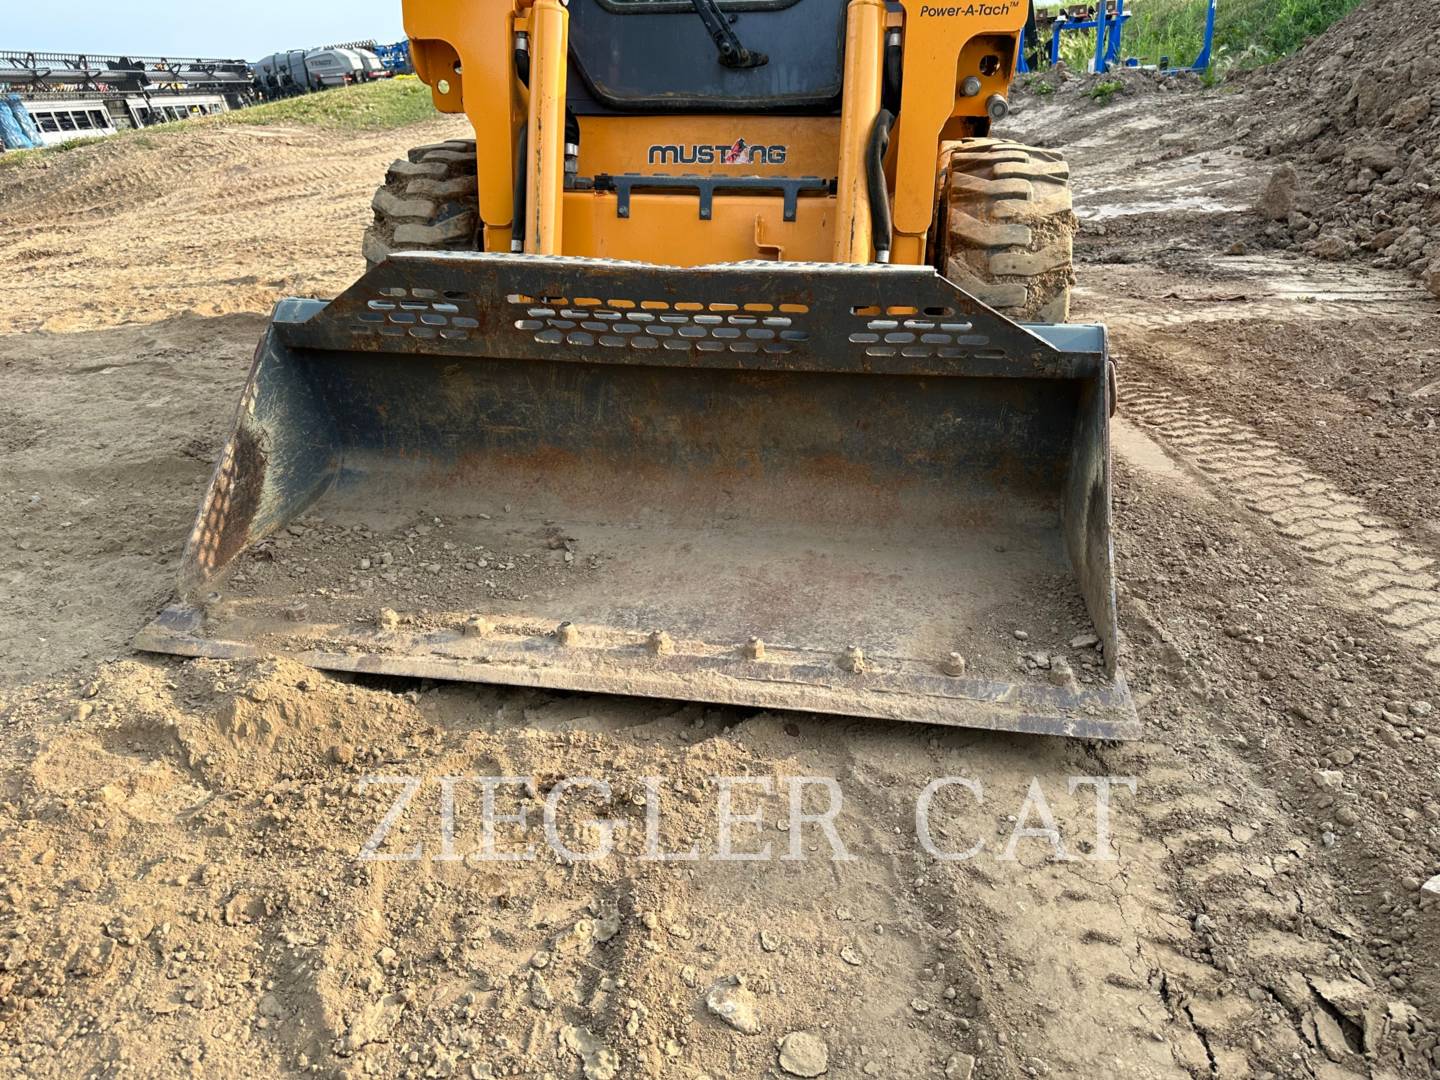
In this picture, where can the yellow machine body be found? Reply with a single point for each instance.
(463, 50)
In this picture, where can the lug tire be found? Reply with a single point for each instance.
(1009, 227)
(427, 203)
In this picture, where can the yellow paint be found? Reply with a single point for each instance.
(666, 228)
(477, 36)
(934, 71)
(864, 56)
(467, 44)
(549, 50)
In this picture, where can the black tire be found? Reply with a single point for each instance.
(427, 203)
(1009, 227)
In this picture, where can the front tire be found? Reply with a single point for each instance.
(1009, 227)
(427, 203)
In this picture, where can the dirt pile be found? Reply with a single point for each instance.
(1356, 116)
(170, 853)
(186, 889)
(224, 220)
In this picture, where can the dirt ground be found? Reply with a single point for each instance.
(180, 887)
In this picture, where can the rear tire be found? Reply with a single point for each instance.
(427, 203)
(1009, 227)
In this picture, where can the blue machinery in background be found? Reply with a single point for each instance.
(396, 58)
(1108, 26)
(1202, 62)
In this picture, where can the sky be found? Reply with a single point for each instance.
(246, 30)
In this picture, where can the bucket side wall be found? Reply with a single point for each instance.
(282, 455)
(1087, 514)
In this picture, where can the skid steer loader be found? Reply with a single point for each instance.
(727, 363)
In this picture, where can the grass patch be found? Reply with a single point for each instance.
(1247, 32)
(17, 157)
(1105, 91)
(377, 106)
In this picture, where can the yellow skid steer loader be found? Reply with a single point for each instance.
(728, 363)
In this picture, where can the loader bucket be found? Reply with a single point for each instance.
(848, 490)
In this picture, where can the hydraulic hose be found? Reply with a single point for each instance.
(522, 176)
(893, 71)
(881, 224)
(521, 57)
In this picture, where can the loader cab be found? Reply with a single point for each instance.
(654, 104)
(655, 56)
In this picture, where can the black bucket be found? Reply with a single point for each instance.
(829, 488)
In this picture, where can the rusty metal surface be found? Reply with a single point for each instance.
(282, 453)
(904, 320)
(782, 679)
(818, 470)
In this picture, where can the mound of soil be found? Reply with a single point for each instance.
(211, 221)
(1356, 116)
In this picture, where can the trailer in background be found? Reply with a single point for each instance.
(370, 55)
(149, 111)
(282, 74)
(332, 67)
(86, 96)
(374, 68)
(302, 71)
(65, 118)
(36, 73)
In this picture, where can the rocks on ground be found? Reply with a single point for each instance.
(803, 1053)
(1353, 121)
(734, 1003)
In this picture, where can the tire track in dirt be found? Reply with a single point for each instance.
(207, 221)
(1360, 553)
